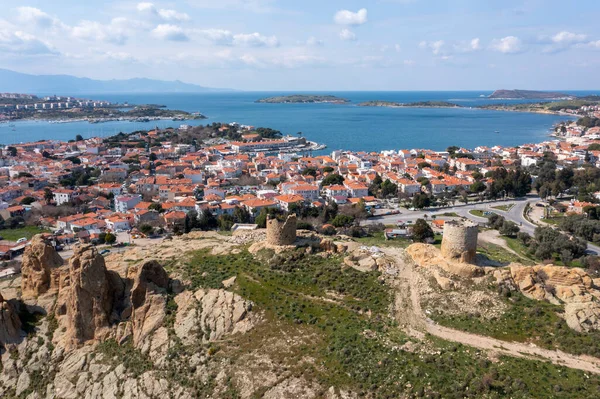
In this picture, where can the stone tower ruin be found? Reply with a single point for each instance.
(460, 241)
(281, 233)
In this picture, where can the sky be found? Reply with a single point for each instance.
(311, 44)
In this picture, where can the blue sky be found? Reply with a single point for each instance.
(309, 44)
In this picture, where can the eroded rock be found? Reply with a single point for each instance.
(40, 259)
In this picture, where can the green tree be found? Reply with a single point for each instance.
(332, 179)
(421, 201)
(110, 238)
(422, 231)
(342, 221)
(27, 201)
(146, 229)
(155, 206)
(79, 137)
(12, 151)
(48, 196)
(309, 172)
(509, 229)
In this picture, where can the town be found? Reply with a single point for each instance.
(153, 184)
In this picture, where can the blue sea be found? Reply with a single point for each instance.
(339, 126)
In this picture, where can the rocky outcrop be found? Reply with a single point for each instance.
(554, 283)
(10, 324)
(426, 255)
(146, 291)
(85, 299)
(209, 315)
(571, 287)
(40, 260)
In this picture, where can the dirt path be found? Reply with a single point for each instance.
(411, 318)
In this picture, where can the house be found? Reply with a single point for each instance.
(356, 189)
(286, 200)
(123, 203)
(63, 196)
(336, 190)
(174, 218)
(254, 206)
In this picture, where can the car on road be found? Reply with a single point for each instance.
(21, 240)
(104, 251)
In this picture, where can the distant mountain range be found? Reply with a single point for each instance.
(529, 95)
(16, 82)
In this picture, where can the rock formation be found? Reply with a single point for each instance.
(10, 324)
(145, 301)
(85, 299)
(281, 233)
(426, 255)
(460, 241)
(39, 262)
(572, 287)
(212, 314)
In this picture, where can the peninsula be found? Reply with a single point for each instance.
(14, 106)
(529, 95)
(418, 104)
(303, 99)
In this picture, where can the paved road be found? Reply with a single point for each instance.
(515, 214)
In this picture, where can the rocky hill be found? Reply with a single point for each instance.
(215, 316)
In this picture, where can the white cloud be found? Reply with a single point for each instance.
(35, 16)
(595, 44)
(95, 31)
(163, 14)
(475, 44)
(223, 37)
(255, 40)
(120, 56)
(170, 32)
(313, 41)
(437, 47)
(565, 37)
(21, 43)
(347, 34)
(346, 17)
(508, 45)
(257, 6)
(409, 62)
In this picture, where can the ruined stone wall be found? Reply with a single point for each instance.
(281, 233)
(460, 241)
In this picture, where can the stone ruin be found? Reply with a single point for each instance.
(281, 233)
(460, 241)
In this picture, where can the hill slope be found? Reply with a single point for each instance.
(11, 81)
(528, 95)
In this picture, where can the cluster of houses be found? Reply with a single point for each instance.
(160, 182)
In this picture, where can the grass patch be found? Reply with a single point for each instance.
(528, 320)
(520, 248)
(27, 232)
(480, 213)
(378, 239)
(504, 208)
(498, 253)
(447, 214)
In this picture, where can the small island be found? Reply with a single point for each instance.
(529, 95)
(418, 104)
(303, 99)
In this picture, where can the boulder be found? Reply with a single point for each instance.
(583, 317)
(10, 324)
(40, 259)
(85, 299)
